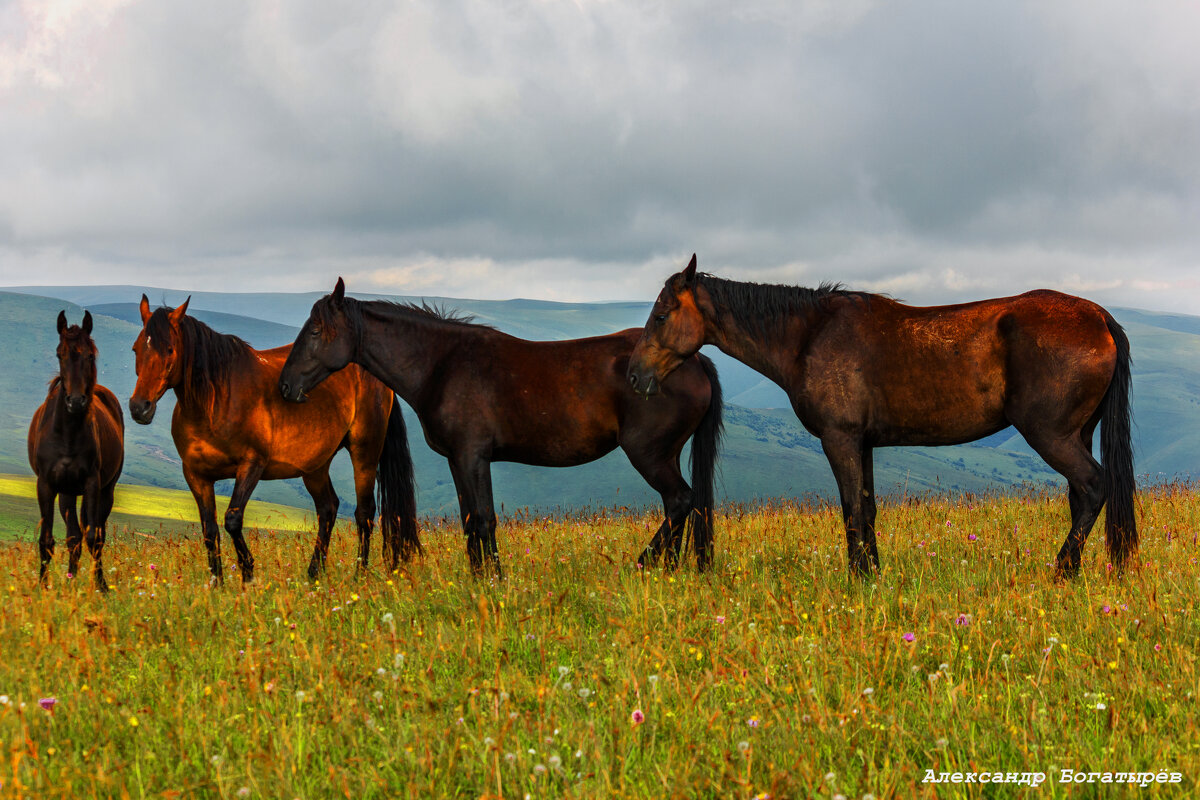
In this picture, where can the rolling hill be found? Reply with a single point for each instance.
(767, 453)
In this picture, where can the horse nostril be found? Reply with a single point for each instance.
(633, 379)
(285, 388)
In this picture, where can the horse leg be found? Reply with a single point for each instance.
(1071, 458)
(66, 509)
(869, 509)
(97, 503)
(364, 518)
(206, 504)
(46, 534)
(326, 501)
(664, 477)
(473, 480)
(845, 454)
(248, 475)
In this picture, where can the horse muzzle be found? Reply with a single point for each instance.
(642, 382)
(293, 392)
(142, 411)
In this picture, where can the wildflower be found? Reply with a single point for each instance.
(4, 700)
(244, 791)
(583, 693)
(868, 691)
(1100, 706)
(743, 745)
(555, 762)
(539, 768)
(637, 716)
(216, 761)
(133, 722)
(1157, 647)
(1107, 609)
(300, 695)
(908, 637)
(48, 703)
(971, 537)
(962, 619)
(720, 620)
(562, 671)
(752, 722)
(653, 679)
(830, 777)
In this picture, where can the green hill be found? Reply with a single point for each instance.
(767, 453)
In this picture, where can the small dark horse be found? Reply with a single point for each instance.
(76, 447)
(230, 422)
(485, 396)
(863, 371)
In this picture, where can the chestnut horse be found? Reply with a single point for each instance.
(485, 396)
(76, 447)
(230, 422)
(863, 371)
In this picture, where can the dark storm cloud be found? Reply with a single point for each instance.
(581, 149)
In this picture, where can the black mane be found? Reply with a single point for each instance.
(208, 358)
(353, 311)
(757, 307)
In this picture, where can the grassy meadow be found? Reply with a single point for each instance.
(579, 676)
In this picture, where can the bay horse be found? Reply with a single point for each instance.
(485, 396)
(230, 422)
(864, 371)
(76, 448)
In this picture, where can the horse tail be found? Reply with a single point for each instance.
(706, 442)
(397, 491)
(1116, 451)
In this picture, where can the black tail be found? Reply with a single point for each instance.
(706, 443)
(397, 492)
(1116, 451)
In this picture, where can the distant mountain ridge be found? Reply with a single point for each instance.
(767, 453)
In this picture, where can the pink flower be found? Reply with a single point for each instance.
(48, 703)
(971, 537)
(637, 716)
(1157, 647)
(908, 637)
(720, 620)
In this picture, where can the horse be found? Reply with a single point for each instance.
(230, 422)
(76, 448)
(484, 396)
(864, 371)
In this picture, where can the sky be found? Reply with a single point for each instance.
(935, 150)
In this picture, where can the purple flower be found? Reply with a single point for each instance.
(48, 703)
(908, 637)
(752, 722)
(962, 619)
(720, 620)
(971, 537)
(637, 716)
(1107, 609)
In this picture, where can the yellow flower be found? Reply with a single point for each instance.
(207, 691)
(133, 722)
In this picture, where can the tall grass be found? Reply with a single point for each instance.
(579, 676)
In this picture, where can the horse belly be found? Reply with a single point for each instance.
(939, 401)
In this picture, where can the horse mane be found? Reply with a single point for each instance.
(759, 307)
(207, 358)
(353, 311)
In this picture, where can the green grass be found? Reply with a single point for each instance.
(751, 679)
(144, 509)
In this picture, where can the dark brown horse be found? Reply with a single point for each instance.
(76, 448)
(863, 371)
(230, 422)
(485, 396)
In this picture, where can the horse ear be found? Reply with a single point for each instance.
(339, 292)
(178, 313)
(144, 308)
(62, 322)
(87, 323)
(689, 274)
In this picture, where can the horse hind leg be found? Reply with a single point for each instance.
(247, 479)
(664, 477)
(473, 481)
(846, 459)
(1071, 458)
(364, 518)
(326, 502)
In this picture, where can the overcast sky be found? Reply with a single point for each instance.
(583, 150)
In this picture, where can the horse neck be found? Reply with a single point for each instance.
(403, 348)
(773, 356)
(72, 427)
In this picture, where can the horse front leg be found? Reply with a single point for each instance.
(66, 510)
(97, 503)
(845, 454)
(473, 480)
(46, 533)
(206, 504)
(326, 501)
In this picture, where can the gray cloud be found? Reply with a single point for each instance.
(581, 150)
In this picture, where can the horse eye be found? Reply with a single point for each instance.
(660, 319)
(315, 331)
